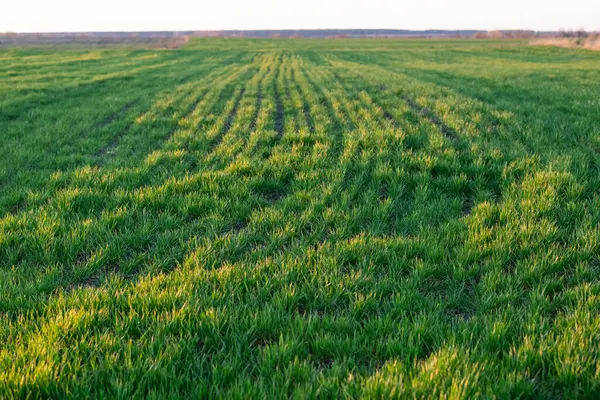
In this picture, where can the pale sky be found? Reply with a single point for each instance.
(146, 15)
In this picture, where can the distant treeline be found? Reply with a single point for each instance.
(334, 33)
(177, 38)
(524, 34)
(285, 33)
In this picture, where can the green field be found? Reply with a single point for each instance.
(300, 218)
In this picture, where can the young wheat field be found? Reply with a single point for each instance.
(300, 218)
